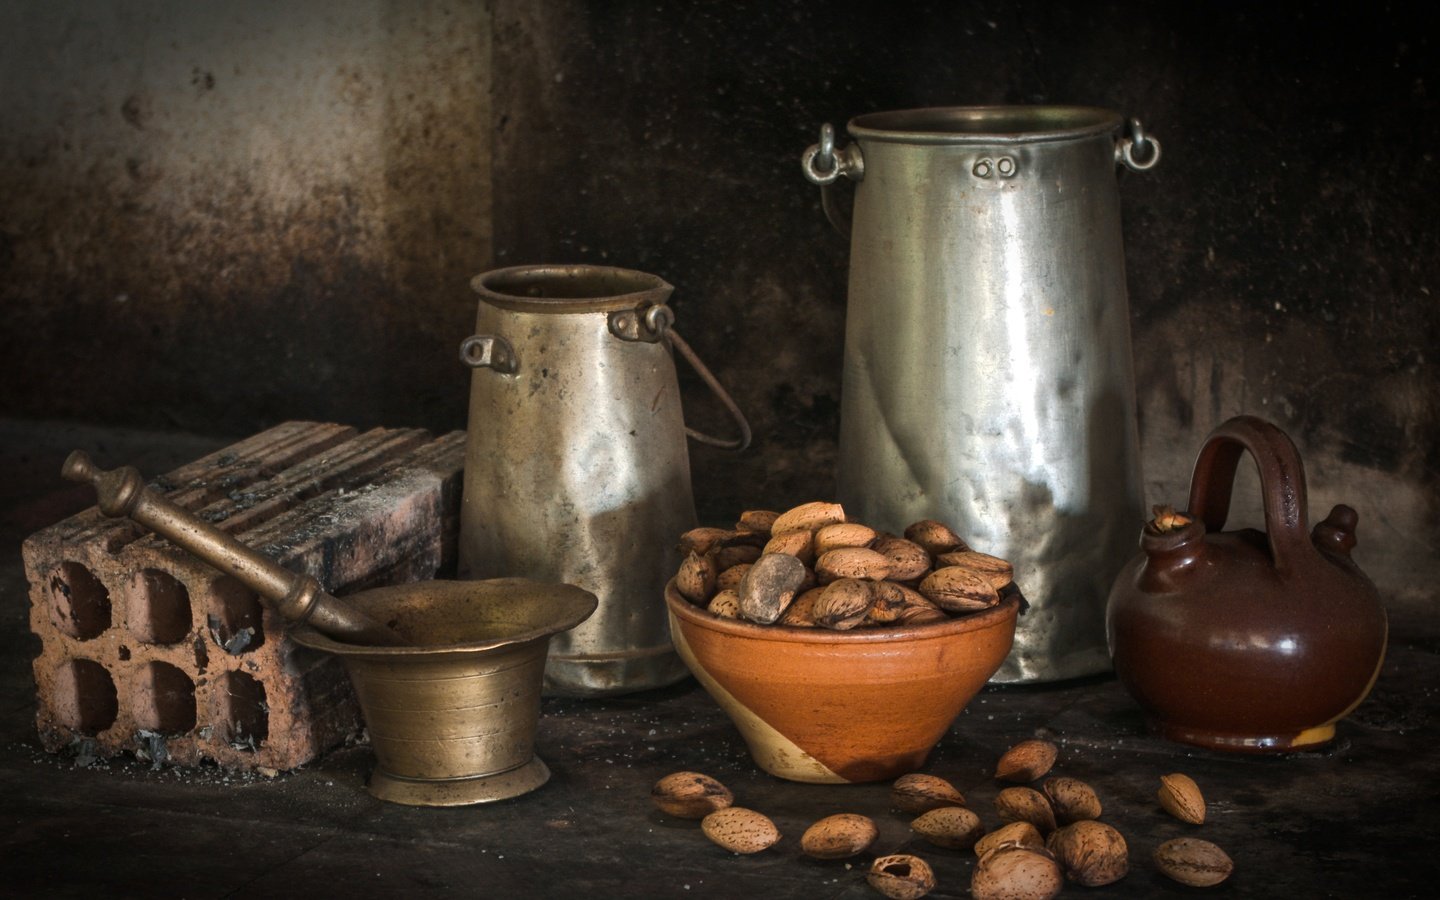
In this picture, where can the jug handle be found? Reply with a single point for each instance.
(657, 323)
(823, 163)
(1282, 484)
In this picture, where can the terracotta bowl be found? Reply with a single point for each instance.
(837, 707)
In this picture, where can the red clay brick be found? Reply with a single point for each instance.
(148, 650)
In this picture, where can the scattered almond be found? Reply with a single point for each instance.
(1193, 861)
(801, 612)
(1021, 834)
(901, 876)
(1016, 873)
(917, 793)
(703, 540)
(1026, 761)
(757, 521)
(729, 579)
(1181, 798)
(1091, 853)
(1072, 799)
(690, 795)
(1023, 804)
(740, 830)
(839, 836)
(799, 544)
(953, 827)
(735, 555)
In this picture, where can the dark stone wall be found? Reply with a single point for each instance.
(1282, 259)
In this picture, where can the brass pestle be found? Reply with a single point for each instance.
(297, 597)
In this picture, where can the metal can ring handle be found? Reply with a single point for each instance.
(1138, 151)
(489, 351)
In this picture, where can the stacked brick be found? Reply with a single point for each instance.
(148, 650)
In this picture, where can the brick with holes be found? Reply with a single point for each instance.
(148, 650)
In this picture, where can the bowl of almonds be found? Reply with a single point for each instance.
(841, 653)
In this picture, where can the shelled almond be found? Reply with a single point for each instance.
(928, 576)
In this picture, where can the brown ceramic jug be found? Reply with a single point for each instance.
(1244, 640)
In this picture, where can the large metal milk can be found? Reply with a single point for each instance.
(576, 466)
(988, 379)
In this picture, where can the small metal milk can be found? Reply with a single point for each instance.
(987, 379)
(576, 466)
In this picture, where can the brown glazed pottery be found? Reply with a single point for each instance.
(837, 707)
(1247, 641)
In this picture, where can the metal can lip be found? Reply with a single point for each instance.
(985, 124)
(573, 288)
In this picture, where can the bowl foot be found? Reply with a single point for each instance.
(1233, 742)
(459, 791)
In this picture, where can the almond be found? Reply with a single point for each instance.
(936, 537)
(958, 590)
(729, 579)
(921, 615)
(757, 521)
(725, 604)
(851, 562)
(839, 836)
(1019, 834)
(1072, 799)
(736, 555)
(690, 795)
(696, 579)
(844, 604)
(917, 793)
(740, 830)
(1193, 861)
(703, 540)
(799, 544)
(901, 876)
(843, 534)
(996, 570)
(908, 560)
(888, 602)
(1023, 804)
(1026, 761)
(1181, 798)
(768, 587)
(1016, 873)
(1091, 853)
(801, 612)
(954, 827)
(808, 517)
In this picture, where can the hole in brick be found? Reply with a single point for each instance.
(159, 610)
(244, 711)
(166, 701)
(235, 615)
(79, 603)
(85, 698)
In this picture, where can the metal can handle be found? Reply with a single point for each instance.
(823, 164)
(655, 323)
(1138, 151)
(489, 351)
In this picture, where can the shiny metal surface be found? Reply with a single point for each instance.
(452, 718)
(576, 466)
(988, 379)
